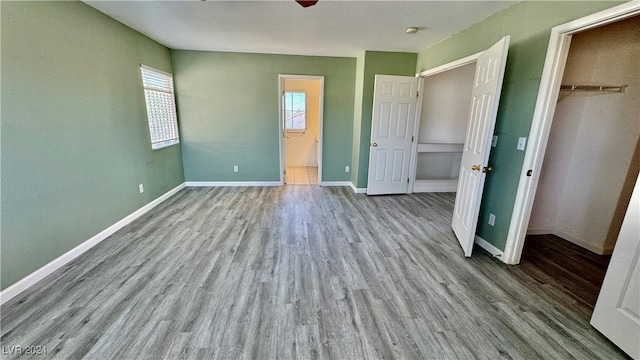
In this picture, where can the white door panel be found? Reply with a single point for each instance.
(617, 311)
(394, 110)
(485, 98)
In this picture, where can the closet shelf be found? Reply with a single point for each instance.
(607, 88)
(435, 147)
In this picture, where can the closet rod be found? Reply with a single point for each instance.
(619, 89)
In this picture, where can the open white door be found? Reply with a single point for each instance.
(485, 98)
(394, 115)
(617, 311)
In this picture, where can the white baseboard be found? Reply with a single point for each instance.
(489, 247)
(583, 244)
(335, 183)
(231, 183)
(28, 281)
(357, 190)
(422, 186)
(540, 231)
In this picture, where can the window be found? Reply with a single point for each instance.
(161, 107)
(295, 111)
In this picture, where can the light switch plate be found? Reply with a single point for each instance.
(492, 219)
(522, 141)
(494, 141)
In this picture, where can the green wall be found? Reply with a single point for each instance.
(75, 141)
(228, 110)
(529, 23)
(372, 63)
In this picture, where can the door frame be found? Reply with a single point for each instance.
(281, 79)
(416, 129)
(543, 114)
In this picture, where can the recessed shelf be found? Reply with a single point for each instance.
(421, 186)
(432, 147)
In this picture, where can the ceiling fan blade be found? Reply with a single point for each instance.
(307, 3)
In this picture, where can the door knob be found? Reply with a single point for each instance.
(475, 167)
(375, 144)
(487, 169)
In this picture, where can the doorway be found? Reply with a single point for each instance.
(616, 310)
(301, 104)
(591, 157)
(541, 130)
(441, 124)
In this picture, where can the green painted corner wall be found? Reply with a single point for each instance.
(374, 62)
(228, 110)
(529, 24)
(75, 141)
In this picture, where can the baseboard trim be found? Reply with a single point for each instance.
(231, 183)
(424, 186)
(335, 183)
(540, 231)
(357, 190)
(31, 279)
(583, 244)
(489, 248)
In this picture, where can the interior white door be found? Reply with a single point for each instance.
(617, 311)
(485, 98)
(394, 115)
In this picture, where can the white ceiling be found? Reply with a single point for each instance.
(330, 28)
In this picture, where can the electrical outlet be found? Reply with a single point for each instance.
(141, 188)
(347, 168)
(522, 141)
(492, 219)
(494, 141)
(235, 168)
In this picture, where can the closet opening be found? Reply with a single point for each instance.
(442, 121)
(591, 161)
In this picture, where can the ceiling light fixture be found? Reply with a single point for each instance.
(411, 30)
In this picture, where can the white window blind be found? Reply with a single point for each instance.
(161, 107)
(295, 111)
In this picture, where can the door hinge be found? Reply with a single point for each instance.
(407, 180)
(411, 138)
(529, 172)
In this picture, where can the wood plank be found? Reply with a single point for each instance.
(304, 272)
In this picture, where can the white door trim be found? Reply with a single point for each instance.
(451, 65)
(413, 159)
(281, 79)
(416, 130)
(552, 72)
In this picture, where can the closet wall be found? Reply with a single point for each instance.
(443, 121)
(589, 165)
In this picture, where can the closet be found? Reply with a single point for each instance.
(441, 128)
(593, 154)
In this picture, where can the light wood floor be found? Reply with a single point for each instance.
(297, 272)
(302, 175)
